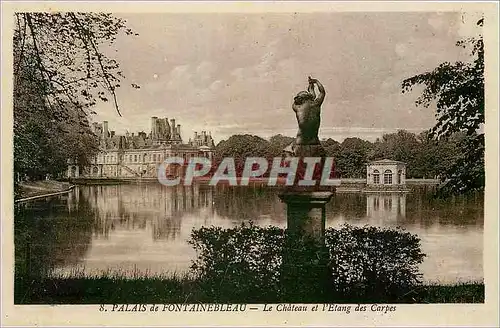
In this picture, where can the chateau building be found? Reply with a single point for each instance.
(139, 155)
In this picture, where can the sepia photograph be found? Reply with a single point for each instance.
(245, 161)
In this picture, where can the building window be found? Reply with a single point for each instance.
(399, 177)
(388, 177)
(135, 158)
(130, 158)
(154, 157)
(376, 177)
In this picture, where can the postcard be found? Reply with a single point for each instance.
(249, 164)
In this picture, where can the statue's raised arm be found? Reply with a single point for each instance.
(319, 99)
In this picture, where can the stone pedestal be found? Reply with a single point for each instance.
(304, 270)
(306, 212)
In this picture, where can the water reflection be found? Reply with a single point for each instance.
(134, 207)
(56, 232)
(146, 226)
(389, 207)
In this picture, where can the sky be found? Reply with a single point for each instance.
(236, 73)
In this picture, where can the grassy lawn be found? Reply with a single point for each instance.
(106, 289)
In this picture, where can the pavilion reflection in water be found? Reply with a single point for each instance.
(143, 206)
(386, 207)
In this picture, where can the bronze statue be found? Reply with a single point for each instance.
(307, 108)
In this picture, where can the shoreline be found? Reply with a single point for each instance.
(44, 190)
(346, 185)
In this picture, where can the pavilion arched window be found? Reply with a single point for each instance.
(388, 177)
(376, 177)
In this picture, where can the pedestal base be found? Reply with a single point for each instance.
(306, 212)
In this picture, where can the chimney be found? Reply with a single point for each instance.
(178, 130)
(112, 133)
(166, 128)
(105, 129)
(172, 126)
(153, 126)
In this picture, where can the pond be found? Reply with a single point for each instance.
(144, 228)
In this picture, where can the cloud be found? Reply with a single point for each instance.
(181, 71)
(238, 73)
(241, 71)
(205, 70)
(216, 85)
(437, 22)
(401, 49)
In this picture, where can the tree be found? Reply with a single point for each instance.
(277, 143)
(458, 91)
(400, 146)
(67, 51)
(432, 157)
(240, 147)
(352, 157)
(60, 71)
(332, 147)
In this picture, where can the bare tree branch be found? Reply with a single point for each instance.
(110, 88)
(21, 53)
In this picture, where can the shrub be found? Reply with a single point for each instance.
(249, 263)
(238, 262)
(374, 264)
